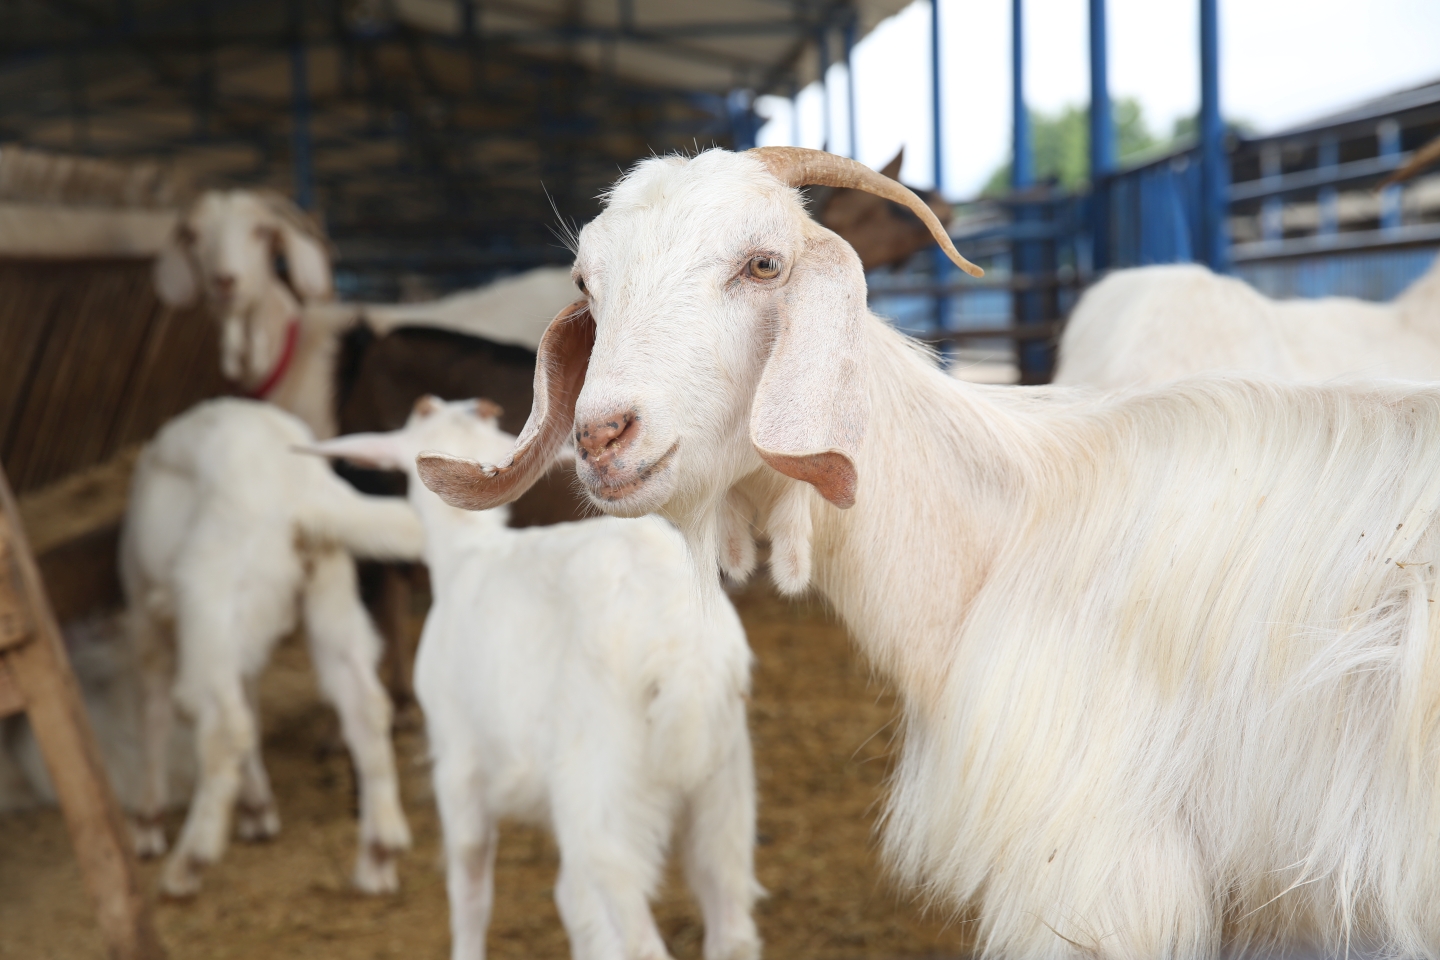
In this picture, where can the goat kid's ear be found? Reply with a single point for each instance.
(308, 262)
(174, 275)
(811, 407)
(381, 451)
(560, 366)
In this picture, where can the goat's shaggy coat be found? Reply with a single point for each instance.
(230, 538)
(1168, 660)
(573, 675)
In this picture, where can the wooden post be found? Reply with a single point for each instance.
(35, 677)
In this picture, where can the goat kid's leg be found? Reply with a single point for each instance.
(718, 850)
(607, 869)
(345, 650)
(155, 649)
(225, 734)
(470, 838)
(257, 817)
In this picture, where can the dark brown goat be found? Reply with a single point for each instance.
(884, 234)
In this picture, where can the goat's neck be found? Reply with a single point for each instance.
(452, 534)
(307, 388)
(1420, 303)
(943, 473)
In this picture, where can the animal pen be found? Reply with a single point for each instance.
(448, 143)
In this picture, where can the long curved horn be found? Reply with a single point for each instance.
(801, 166)
(1418, 161)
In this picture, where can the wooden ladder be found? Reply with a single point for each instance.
(35, 678)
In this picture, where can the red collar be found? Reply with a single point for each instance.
(282, 366)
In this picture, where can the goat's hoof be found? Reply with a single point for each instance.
(149, 835)
(255, 824)
(180, 878)
(375, 870)
(735, 948)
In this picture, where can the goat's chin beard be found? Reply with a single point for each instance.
(641, 493)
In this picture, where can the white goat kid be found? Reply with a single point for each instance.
(280, 338)
(575, 675)
(228, 536)
(1167, 660)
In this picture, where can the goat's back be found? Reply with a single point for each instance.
(1212, 640)
(541, 637)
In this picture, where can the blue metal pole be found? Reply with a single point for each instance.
(1214, 177)
(937, 130)
(850, 87)
(822, 51)
(1022, 168)
(1387, 135)
(936, 127)
(300, 110)
(1102, 141)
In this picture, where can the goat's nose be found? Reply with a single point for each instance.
(224, 282)
(600, 441)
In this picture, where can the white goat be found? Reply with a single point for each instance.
(574, 675)
(1152, 324)
(280, 340)
(227, 537)
(1168, 660)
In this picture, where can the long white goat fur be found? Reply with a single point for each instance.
(1153, 324)
(1168, 660)
(229, 538)
(574, 675)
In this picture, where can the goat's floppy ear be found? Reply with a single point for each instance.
(308, 262)
(811, 406)
(380, 451)
(560, 367)
(174, 275)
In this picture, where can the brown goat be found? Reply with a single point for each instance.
(884, 234)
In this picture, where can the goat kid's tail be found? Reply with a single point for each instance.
(374, 528)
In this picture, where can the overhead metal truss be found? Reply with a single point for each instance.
(447, 146)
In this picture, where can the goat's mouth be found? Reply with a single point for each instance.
(620, 479)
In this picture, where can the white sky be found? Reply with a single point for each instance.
(1281, 62)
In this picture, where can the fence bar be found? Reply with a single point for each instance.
(1102, 140)
(1214, 178)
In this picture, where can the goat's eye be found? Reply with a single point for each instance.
(580, 283)
(186, 234)
(763, 268)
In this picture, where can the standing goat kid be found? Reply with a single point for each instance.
(576, 675)
(228, 536)
(1168, 664)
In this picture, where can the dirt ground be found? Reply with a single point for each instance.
(822, 734)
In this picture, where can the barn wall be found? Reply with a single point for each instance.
(91, 363)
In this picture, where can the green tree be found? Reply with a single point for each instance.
(1061, 144)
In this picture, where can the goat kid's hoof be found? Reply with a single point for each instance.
(376, 870)
(255, 824)
(738, 950)
(180, 879)
(149, 836)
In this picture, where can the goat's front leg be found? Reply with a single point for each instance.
(610, 860)
(718, 846)
(224, 736)
(345, 650)
(470, 839)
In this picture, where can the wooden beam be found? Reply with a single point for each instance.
(51, 695)
(85, 502)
